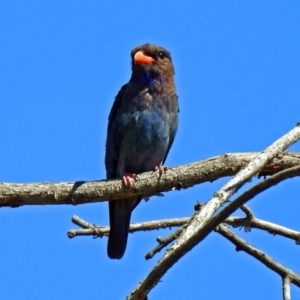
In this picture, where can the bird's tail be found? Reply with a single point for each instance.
(119, 216)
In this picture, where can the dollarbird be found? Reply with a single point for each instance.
(141, 128)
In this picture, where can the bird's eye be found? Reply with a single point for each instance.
(161, 55)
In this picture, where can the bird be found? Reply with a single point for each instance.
(142, 125)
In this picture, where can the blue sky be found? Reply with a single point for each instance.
(237, 69)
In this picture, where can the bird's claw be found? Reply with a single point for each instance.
(160, 169)
(128, 178)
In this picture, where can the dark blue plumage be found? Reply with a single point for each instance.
(141, 128)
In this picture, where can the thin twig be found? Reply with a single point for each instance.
(82, 223)
(246, 209)
(264, 225)
(100, 231)
(242, 245)
(164, 242)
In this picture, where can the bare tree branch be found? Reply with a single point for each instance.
(259, 255)
(247, 223)
(234, 221)
(148, 184)
(199, 226)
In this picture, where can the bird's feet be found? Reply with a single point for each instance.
(128, 178)
(160, 169)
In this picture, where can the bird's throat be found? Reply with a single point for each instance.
(147, 80)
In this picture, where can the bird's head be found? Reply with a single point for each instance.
(152, 62)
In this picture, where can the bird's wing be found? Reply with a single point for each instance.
(173, 129)
(113, 137)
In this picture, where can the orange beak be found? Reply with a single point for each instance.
(141, 58)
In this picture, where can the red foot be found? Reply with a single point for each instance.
(160, 169)
(127, 179)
